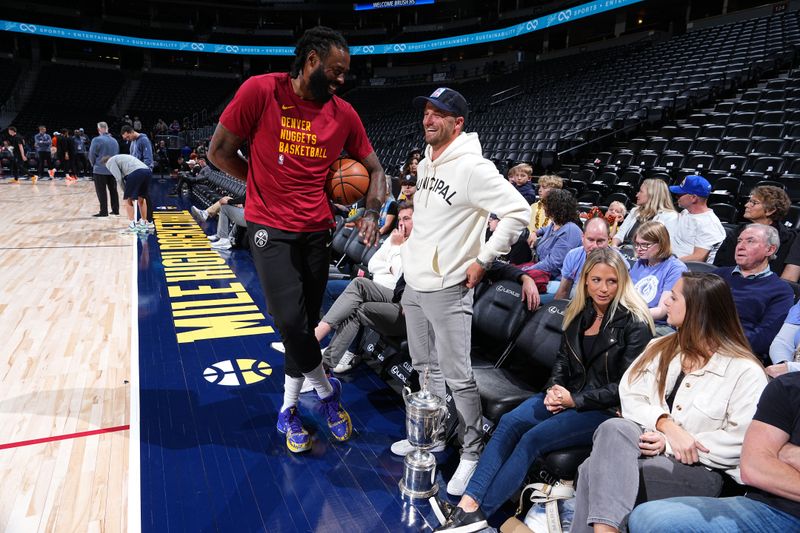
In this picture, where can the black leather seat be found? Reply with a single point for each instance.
(561, 464)
(354, 249)
(501, 390)
(498, 314)
(527, 367)
(340, 240)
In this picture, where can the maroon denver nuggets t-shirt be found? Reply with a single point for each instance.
(293, 142)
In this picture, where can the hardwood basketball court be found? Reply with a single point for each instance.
(65, 362)
(78, 366)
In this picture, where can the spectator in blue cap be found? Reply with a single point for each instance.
(698, 232)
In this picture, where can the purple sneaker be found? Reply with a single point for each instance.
(338, 420)
(297, 438)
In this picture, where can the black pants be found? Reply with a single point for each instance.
(101, 183)
(82, 164)
(42, 157)
(17, 166)
(293, 269)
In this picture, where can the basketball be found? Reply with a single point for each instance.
(347, 182)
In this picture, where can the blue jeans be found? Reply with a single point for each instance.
(523, 435)
(710, 515)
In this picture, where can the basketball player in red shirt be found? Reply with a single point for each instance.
(296, 128)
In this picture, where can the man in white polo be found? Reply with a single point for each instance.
(698, 232)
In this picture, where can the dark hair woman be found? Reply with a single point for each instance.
(686, 405)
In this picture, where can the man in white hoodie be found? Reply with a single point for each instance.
(446, 256)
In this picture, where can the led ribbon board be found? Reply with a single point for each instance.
(524, 28)
(364, 6)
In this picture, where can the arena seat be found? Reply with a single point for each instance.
(65, 95)
(697, 266)
(498, 314)
(340, 239)
(527, 367)
(725, 212)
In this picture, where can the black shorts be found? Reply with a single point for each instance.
(137, 183)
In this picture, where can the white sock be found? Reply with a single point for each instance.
(291, 391)
(320, 382)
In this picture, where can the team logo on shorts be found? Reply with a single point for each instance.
(261, 238)
(280, 159)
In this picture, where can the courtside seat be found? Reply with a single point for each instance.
(498, 314)
(528, 366)
(501, 390)
(561, 464)
(340, 239)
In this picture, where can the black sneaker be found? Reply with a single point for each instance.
(442, 509)
(100, 215)
(461, 521)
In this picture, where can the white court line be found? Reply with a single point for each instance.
(134, 451)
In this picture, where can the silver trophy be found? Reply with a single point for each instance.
(425, 416)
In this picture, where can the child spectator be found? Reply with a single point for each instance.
(520, 178)
(539, 218)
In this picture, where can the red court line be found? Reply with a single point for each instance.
(63, 437)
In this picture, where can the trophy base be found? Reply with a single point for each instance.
(419, 475)
(419, 493)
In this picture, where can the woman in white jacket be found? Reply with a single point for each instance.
(653, 202)
(686, 404)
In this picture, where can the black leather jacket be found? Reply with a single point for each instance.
(593, 378)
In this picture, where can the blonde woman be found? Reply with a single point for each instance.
(606, 327)
(653, 202)
(686, 405)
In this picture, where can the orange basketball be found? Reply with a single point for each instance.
(347, 182)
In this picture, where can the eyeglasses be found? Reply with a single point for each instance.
(643, 245)
(753, 201)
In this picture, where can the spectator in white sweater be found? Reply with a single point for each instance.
(687, 402)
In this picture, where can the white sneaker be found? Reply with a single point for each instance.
(346, 363)
(213, 238)
(278, 347)
(222, 244)
(403, 448)
(307, 386)
(201, 215)
(458, 483)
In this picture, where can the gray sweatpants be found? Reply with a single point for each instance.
(227, 214)
(439, 327)
(616, 477)
(352, 309)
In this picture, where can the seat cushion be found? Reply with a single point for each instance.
(501, 391)
(563, 464)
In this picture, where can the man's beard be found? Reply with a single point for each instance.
(318, 83)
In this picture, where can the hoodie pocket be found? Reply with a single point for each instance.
(421, 265)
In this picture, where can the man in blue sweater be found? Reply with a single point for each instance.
(762, 298)
(104, 145)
